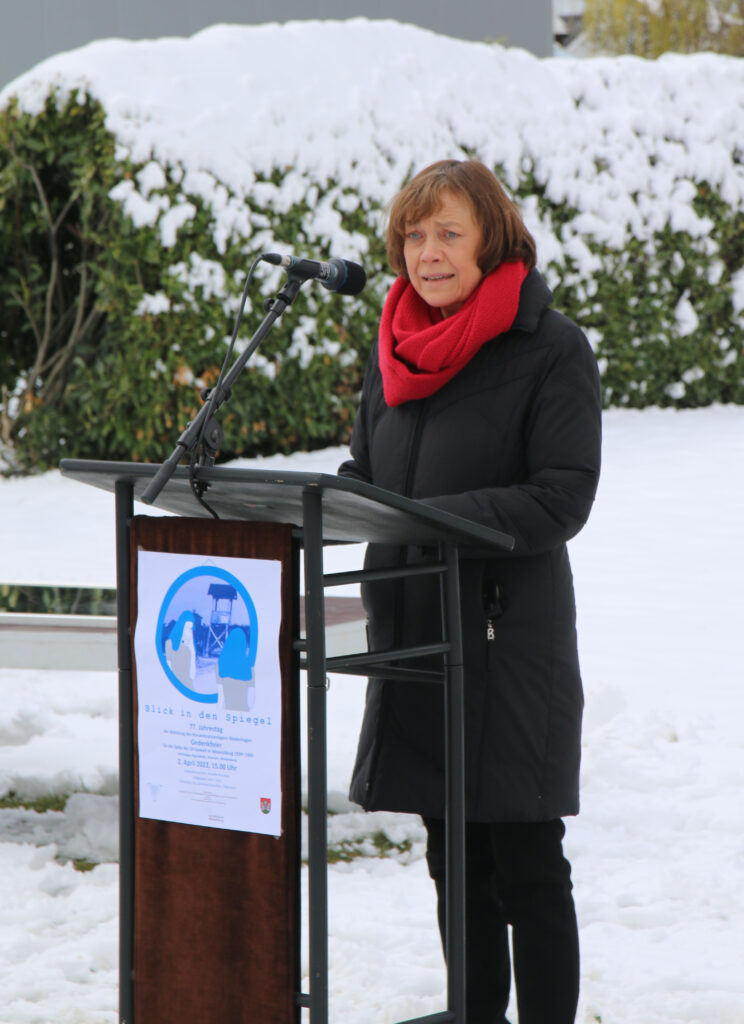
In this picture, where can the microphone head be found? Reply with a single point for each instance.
(351, 279)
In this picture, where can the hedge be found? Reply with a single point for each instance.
(109, 336)
(112, 324)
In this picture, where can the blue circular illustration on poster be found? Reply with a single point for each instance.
(206, 638)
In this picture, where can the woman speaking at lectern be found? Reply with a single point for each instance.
(481, 400)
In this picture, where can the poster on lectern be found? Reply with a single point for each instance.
(206, 647)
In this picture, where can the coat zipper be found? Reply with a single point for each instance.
(493, 605)
(398, 600)
(410, 469)
(413, 452)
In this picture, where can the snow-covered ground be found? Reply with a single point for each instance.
(658, 851)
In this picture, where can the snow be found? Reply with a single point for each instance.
(624, 141)
(657, 851)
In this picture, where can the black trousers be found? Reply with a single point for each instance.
(515, 874)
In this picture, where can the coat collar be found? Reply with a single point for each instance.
(535, 297)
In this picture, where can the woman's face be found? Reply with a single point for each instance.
(441, 254)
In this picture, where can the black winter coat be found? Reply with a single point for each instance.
(511, 442)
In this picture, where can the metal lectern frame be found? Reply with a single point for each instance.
(325, 509)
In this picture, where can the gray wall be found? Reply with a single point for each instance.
(31, 30)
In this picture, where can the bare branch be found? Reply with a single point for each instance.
(82, 292)
(78, 331)
(29, 313)
(54, 270)
(5, 421)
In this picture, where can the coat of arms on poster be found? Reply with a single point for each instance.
(206, 650)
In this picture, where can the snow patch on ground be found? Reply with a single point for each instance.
(657, 853)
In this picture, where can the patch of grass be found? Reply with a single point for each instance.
(376, 845)
(56, 600)
(40, 804)
(344, 852)
(82, 864)
(385, 845)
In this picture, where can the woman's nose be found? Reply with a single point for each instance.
(431, 250)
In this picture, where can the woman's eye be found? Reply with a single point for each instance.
(413, 236)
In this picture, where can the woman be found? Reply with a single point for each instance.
(481, 400)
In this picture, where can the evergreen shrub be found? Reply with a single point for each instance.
(111, 323)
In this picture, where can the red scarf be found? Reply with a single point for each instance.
(419, 351)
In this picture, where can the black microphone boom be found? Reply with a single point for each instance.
(336, 275)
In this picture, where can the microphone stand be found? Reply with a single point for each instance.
(204, 425)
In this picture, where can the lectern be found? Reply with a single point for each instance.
(209, 925)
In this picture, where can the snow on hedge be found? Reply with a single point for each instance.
(293, 137)
(360, 103)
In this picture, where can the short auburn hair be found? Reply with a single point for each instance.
(504, 236)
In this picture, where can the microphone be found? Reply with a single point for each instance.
(336, 275)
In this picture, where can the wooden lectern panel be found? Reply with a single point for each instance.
(216, 912)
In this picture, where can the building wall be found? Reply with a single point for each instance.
(31, 30)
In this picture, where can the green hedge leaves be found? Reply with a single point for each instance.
(113, 323)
